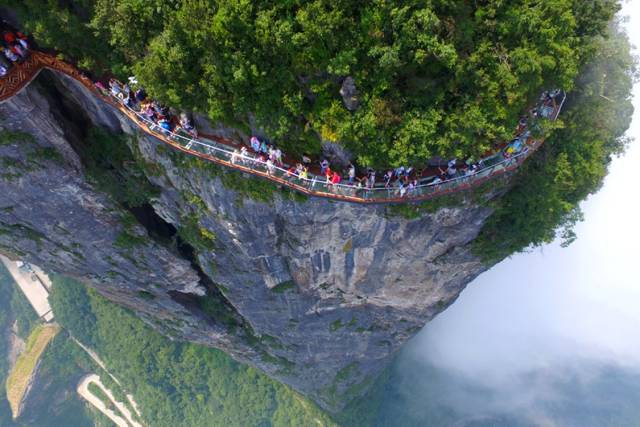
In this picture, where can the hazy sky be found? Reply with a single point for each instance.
(553, 307)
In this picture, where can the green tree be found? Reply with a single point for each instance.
(437, 78)
(78, 313)
(544, 202)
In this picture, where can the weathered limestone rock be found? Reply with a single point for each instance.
(330, 290)
(336, 155)
(349, 94)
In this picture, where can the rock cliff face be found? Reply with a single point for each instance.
(317, 294)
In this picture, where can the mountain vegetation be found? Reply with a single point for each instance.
(24, 369)
(544, 203)
(177, 383)
(53, 401)
(7, 318)
(432, 78)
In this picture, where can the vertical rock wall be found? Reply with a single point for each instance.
(325, 292)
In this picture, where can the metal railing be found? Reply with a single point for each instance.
(317, 185)
(314, 185)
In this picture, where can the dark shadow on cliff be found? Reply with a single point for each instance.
(112, 167)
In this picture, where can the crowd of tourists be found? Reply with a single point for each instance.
(402, 181)
(15, 48)
(261, 154)
(157, 116)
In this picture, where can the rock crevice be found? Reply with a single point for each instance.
(311, 290)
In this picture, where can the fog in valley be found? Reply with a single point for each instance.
(546, 338)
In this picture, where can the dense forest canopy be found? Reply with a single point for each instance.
(177, 384)
(544, 202)
(433, 77)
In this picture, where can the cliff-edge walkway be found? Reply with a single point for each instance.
(219, 151)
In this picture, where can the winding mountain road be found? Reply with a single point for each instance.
(126, 420)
